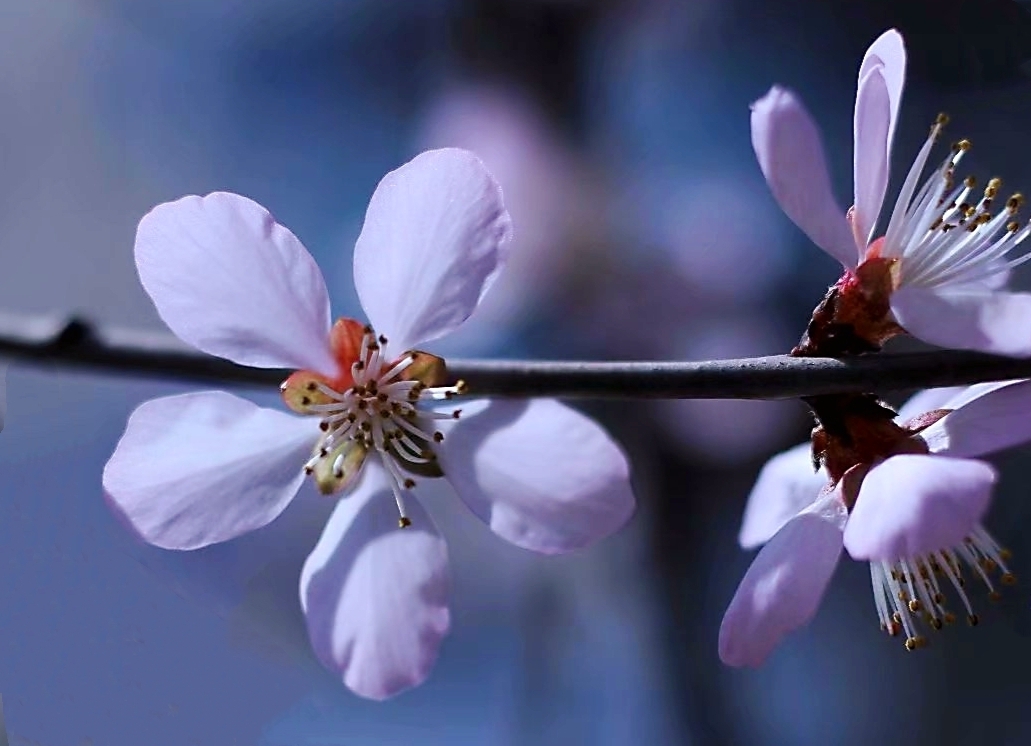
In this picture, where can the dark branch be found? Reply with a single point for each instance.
(49, 343)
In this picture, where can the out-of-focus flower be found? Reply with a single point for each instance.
(545, 192)
(914, 514)
(938, 269)
(3, 396)
(728, 431)
(201, 468)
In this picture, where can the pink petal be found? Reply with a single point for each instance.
(375, 595)
(912, 504)
(878, 96)
(231, 281)
(988, 321)
(435, 236)
(790, 155)
(541, 475)
(786, 485)
(889, 51)
(783, 587)
(197, 469)
(988, 417)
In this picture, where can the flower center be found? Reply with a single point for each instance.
(942, 233)
(910, 594)
(376, 404)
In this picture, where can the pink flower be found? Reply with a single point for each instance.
(201, 468)
(915, 516)
(938, 268)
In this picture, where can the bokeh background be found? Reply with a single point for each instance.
(619, 131)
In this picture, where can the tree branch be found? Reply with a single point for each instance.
(59, 343)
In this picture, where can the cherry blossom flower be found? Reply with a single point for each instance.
(914, 515)
(200, 468)
(937, 270)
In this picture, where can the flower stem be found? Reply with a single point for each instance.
(49, 343)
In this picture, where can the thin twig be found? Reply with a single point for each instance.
(54, 343)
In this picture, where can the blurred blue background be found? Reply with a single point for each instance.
(619, 131)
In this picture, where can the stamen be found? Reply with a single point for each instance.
(908, 592)
(381, 411)
(924, 230)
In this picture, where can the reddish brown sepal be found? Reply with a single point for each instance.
(851, 482)
(857, 429)
(924, 421)
(854, 316)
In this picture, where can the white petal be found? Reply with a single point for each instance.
(231, 281)
(787, 144)
(910, 505)
(988, 417)
(878, 96)
(375, 595)
(197, 469)
(988, 321)
(783, 587)
(541, 475)
(786, 485)
(435, 236)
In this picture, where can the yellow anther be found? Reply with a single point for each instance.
(404, 522)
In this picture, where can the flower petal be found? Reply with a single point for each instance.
(987, 417)
(882, 76)
(988, 321)
(201, 468)
(913, 504)
(375, 595)
(790, 155)
(231, 281)
(541, 475)
(435, 236)
(786, 485)
(783, 587)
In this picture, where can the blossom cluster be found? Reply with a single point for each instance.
(373, 416)
(903, 491)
